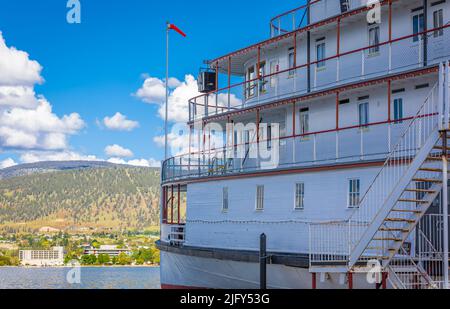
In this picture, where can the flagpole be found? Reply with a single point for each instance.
(167, 96)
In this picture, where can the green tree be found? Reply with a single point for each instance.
(124, 259)
(103, 259)
(88, 259)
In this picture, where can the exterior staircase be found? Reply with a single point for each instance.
(411, 179)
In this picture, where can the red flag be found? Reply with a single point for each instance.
(173, 27)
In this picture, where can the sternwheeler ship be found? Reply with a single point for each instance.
(327, 143)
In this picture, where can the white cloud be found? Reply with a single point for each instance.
(7, 163)
(27, 121)
(16, 68)
(138, 162)
(119, 122)
(153, 92)
(42, 156)
(118, 151)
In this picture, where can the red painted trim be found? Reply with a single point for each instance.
(384, 280)
(314, 281)
(350, 281)
(179, 287)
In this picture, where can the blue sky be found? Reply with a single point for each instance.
(93, 68)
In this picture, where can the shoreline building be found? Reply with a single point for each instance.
(354, 113)
(53, 257)
(111, 250)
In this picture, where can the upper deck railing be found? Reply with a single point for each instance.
(315, 11)
(345, 67)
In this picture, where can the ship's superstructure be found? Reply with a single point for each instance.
(331, 138)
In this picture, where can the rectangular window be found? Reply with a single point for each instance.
(438, 21)
(225, 199)
(273, 72)
(418, 26)
(269, 137)
(300, 196)
(304, 121)
(251, 75)
(262, 74)
(345, 6)
(363, 114)
(398, 110)
(260, 198)
(374, 39)
(291, 62)
(354, 193)
(320, 54)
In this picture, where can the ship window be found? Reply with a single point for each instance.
(418, 26)
(291, 62)
(273, 72)
(251, 74)
(345, 6)
(354, 193)
(300, 196)
(320, 54)
(262, 74)
(438, 22)
(225, 199)
(304, 121)
(363, 114)
(269, 137)
(374, 39)
(260, 198)
(398, 110)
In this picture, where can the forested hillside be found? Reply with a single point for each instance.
(116, 198)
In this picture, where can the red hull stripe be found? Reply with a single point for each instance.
(179, 287)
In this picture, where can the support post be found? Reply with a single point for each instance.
(229, 83)
(350, 281)
(314, 281)
(263, 262)
(179, 205)
(445, 208)
(384, 281)
(425, 36)
(389, 100)
(171, 208)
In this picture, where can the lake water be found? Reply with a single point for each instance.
(91, 278)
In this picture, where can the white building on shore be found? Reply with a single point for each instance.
(53, 257)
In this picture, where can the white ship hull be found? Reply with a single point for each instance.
(188, 272)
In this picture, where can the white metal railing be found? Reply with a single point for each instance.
(397, 164)
(177, 235)
(369, 143)
(359, 64)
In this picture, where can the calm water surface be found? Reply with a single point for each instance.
(91, 278)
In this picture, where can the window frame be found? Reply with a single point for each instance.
(398, 114)
(225, 200)
(299, 199)
(376, 49)
(259, 198)
(291, 62)
(354, 193)
(366, 116)
(321, 63)
(304, 113)
(251, 83)
(420, 25)
(438, 22)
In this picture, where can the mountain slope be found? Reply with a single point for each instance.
(91, 198)
(46, 167)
